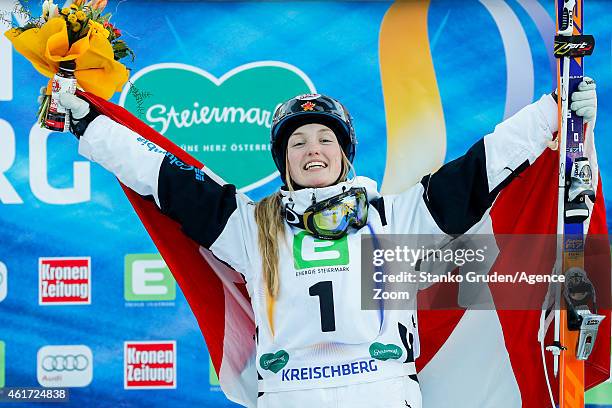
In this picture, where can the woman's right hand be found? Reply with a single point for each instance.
(81, 114)
(77, 106)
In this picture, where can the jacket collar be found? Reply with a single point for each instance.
(300, 200)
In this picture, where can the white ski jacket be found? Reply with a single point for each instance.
(320, 336)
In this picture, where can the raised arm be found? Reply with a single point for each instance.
(210, 212)
(461, 191)
(457, 196)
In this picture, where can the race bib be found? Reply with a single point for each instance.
(320, 294)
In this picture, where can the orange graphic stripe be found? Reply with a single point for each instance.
(416, 134)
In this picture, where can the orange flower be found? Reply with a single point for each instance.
(98, 4)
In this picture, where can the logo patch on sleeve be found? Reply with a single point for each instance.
(385, 352)
(274, 361)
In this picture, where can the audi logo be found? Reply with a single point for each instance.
(68, 362)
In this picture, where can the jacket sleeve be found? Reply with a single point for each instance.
(210, 212)
(457, 196)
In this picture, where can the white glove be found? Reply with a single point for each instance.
(78, 107)
(80, 111)
(584, 100)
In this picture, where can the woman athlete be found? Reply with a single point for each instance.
(299, 249)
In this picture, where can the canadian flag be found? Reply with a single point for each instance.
(493, 358)
(468, 358)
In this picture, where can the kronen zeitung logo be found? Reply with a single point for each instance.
(149, 364)
(223, 122)
(64, 281)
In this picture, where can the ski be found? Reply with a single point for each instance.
(576, 318)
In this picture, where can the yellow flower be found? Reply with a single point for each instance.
(73, 6)
(98, 28)
(76, 27)
(72, 18)
(80, 15)
(65, 11)
(95, 26)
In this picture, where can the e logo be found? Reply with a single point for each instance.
(311, 252)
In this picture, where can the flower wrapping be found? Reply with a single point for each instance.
(96, 72)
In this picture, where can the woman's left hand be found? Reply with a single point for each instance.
(584, 100)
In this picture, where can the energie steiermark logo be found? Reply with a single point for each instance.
(311, 252)
(222, 121)
(213, 378)
(147, 278)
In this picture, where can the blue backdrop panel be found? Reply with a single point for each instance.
(335, 44)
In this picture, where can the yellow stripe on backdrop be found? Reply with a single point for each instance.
(416, 135)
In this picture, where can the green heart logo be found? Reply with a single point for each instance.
(223, 122)
(274, 361)
(385, 352)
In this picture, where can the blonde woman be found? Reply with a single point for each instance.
(299, 249)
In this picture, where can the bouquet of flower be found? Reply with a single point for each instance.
(79, 33)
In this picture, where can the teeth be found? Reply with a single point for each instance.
(315, 164)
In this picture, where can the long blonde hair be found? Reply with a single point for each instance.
(271, 226)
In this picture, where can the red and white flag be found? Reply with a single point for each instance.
(472, 358)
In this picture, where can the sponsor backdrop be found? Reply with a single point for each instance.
(85, 300)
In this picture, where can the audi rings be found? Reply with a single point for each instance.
(68, 362)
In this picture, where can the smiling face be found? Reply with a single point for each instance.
(314, 156)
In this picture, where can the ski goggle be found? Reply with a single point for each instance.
(331, 218)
